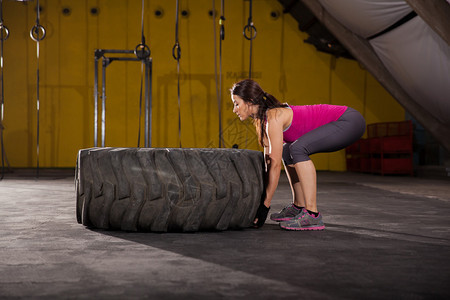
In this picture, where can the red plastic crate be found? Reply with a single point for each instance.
(391, 147)
(364, 164)
(392, 166)
(396, 144)
(364, 146)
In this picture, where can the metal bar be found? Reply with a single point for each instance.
(104, 64)
(123, 58)
(146, 105)
(96, 102)
(150, 76)
(148, 102)
(37, 106)
(115, 51)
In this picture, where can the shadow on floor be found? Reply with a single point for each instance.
(331, 262)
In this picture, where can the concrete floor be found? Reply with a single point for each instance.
(386, 238)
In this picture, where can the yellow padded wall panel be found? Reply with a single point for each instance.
(17, 137)
(380, 106)
(346, 88)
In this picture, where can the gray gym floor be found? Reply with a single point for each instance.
(386, 238)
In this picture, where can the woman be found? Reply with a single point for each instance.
(291, 134)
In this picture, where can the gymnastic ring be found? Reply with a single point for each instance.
(3, 27)
(34, 33)
(176, 55)
(248, 28)
(142, 51)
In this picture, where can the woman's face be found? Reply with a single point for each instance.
(242, 109)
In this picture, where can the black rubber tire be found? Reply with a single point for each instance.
(168, 189)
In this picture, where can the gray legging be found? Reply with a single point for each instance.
(326, 138)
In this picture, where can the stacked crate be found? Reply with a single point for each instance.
(388, 149)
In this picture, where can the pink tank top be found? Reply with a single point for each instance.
(308, 117)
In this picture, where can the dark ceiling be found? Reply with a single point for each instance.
(318, 34)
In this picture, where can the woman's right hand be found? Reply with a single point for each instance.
(261, 215)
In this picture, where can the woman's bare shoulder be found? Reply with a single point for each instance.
(279, 114)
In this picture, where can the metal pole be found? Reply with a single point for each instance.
(146, 105)
(150, 76)
(104, 63)
(37, 107)
(96, 102)
(3, 37)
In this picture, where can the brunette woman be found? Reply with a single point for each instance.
(290, 134)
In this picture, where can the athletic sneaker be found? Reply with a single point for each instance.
(286, 213)
(304, 221)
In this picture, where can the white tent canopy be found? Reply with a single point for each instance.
(417, 57)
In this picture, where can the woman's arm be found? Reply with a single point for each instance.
(273, 152)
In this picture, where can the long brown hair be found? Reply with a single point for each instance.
(251, 92)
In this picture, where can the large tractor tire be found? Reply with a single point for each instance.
(168, 189)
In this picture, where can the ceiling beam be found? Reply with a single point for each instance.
(436, 13)
(364, 53)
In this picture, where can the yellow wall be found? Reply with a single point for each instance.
(282, 63)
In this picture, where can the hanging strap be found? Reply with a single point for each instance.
(4, 34)
(219, 80)
(222, 37)
(176, 53)
(35, 34)
(250, 34)
(142, 23)
(142, 52)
